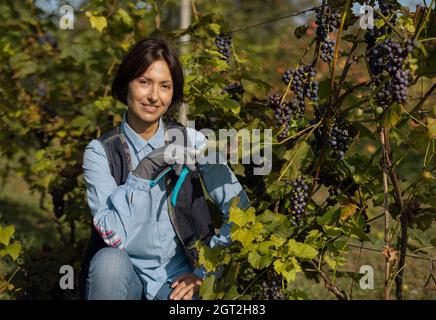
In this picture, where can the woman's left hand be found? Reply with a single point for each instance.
(185, 286)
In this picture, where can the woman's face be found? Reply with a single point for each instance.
(149, 95)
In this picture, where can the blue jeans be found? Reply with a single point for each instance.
(112, 277)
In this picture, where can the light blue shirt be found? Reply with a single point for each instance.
(134, 216)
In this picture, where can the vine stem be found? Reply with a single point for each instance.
(291, 137)
(328, 283)
(386, 212)
(418, 32)
(335, 57)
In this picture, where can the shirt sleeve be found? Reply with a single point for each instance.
(116, 210)
(222, 186)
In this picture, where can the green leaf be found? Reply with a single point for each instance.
(298, 155)
(332, 231)
(124, 17)
(327, 217)
(6, 234)
(331, 262)
(254, 259)
(301, 250)
(207, 288)
(215, 27)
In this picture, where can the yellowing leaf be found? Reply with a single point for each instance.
(278, 241)
(244, 236)
(431, 124)
(124, 17)
(6, 233)
(254, 259)
(348, 211)
(290, 275)
(301, 250)
(13, 250)
(279, 266)
(206, 289)
(240, 217)
(97, 22)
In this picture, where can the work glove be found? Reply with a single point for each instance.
(173, 155)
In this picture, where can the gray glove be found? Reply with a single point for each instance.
(172, 155)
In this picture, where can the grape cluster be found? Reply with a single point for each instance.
(282, 113)
(303, 83)
(327, 21)
(299, 198)
(334, 134)
(386, 63)
(339, 138)
(223, 42)
(327, 50)
(234, 90)
(271, 291)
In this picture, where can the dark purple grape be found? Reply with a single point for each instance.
(223, 42)
(234, 90)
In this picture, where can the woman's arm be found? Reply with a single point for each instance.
(118, 211)
(222, 186)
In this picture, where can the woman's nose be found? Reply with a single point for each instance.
(152, 96)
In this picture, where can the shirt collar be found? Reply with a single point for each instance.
(139, 143)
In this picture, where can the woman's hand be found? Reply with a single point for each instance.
(185, 286)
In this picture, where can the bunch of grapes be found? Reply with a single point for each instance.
(327, 21)
(387, 59)
(303, 83)
(223, 42)
(234, 90)
(328, 50)
(271, 291)
(339, 138)
(299, 198)
(282, 113)
(334, 134)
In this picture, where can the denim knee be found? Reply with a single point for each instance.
(112, 276)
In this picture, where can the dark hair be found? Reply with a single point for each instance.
(140, 56)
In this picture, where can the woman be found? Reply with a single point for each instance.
(142, 236)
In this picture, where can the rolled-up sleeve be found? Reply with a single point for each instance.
(118, 211)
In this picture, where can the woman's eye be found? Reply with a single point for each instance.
(143, 82)
(166, 87)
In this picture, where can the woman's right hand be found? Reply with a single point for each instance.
(173, 155)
